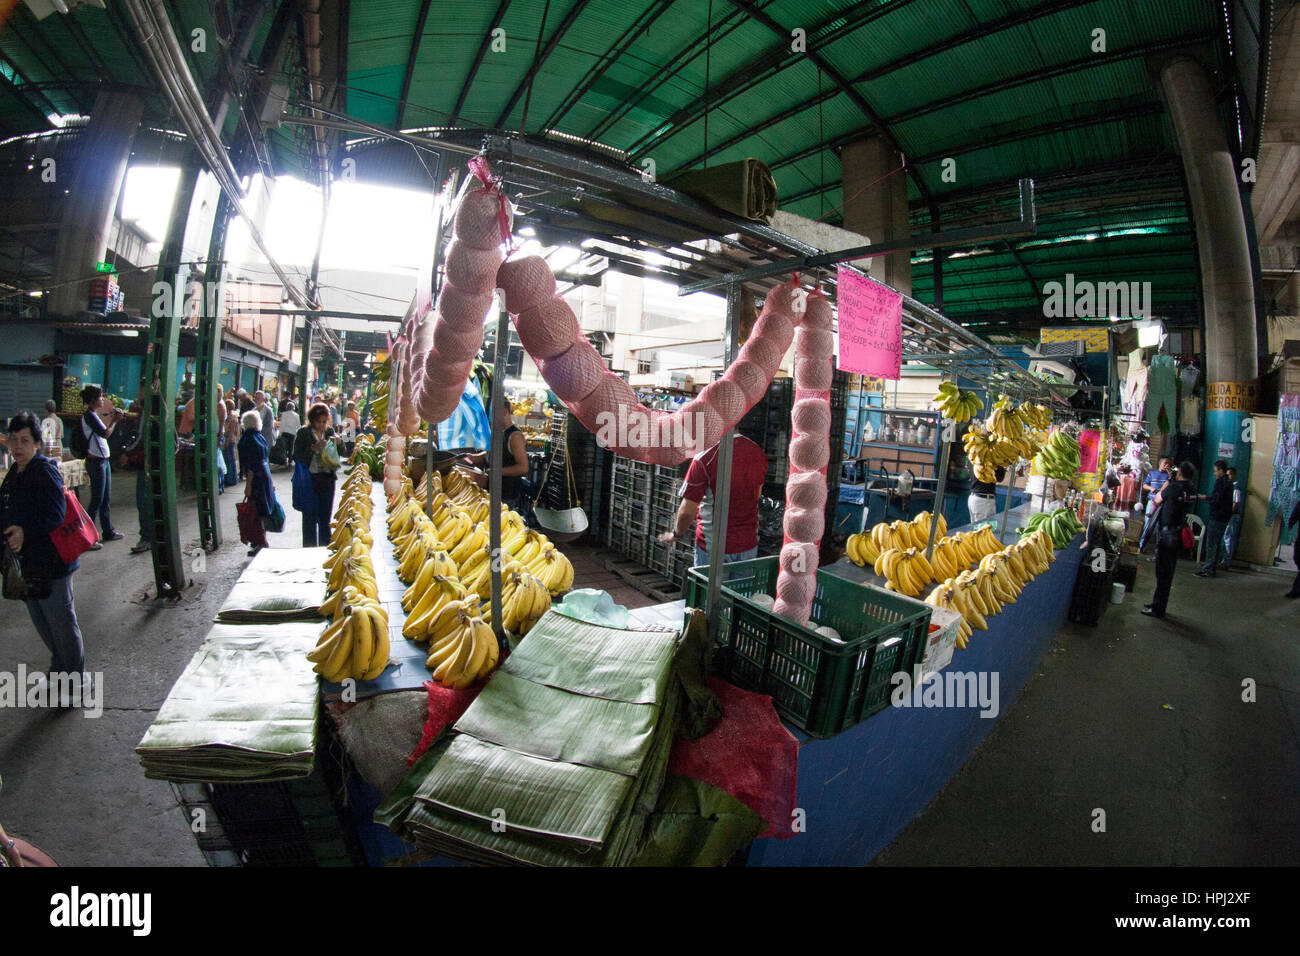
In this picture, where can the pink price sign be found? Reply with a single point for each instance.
(871, 327)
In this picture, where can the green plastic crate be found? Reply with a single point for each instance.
(820, 685)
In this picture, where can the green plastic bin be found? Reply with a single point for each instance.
(818, 684)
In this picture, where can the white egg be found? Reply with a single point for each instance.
(826, 631)
(765, 601)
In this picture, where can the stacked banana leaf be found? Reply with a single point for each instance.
(280, 584)
(244, 710)
(559, 761)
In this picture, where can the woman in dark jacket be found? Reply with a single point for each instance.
(32, 506)
(253, 455)
(307, 447)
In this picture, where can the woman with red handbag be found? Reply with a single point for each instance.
(32, 506)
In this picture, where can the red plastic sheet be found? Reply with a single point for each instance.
(749, 754)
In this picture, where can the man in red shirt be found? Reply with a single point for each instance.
(748, 469)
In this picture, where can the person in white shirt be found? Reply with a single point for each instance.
(52, 433)
(289, 425)
(97, 432)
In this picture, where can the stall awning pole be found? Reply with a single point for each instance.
(1006, 511)
(722, 487)
(941, 485)
(495, 444)
(436, 285)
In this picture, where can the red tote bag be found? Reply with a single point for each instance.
(77, 534)
(251, 531)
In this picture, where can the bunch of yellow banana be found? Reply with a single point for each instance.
(476, 571)
(351, 520)
(524, 600)
(965, 548)
(437, 594)
(462, 648)
(1038, 416)
(906, 572)
(1043, 542)
(475, 540)
(377, 408)
(861, 550)
(434, 563)
(425, 556)
(402, 514)
(945, 596)
(921, 528)
(988, 452)
(352, 566)
(551, 568)
(947, 561)
(955, 404)
(354, 644)
(983, 542)
(1006, 583)
(894, 534)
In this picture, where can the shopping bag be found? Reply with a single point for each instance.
(1189, 539)
(16, 586)
(304, 496)
(251, 531)
(275, 520)
(77, 534)
(329, 455)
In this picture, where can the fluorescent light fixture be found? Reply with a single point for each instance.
(1149, 333)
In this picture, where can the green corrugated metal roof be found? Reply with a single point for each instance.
(1009, 88)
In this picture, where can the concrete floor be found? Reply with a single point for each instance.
(1210, 781)
(1145, 720)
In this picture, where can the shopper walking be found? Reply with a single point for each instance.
(1220, 499)
(268, 418)
(52, 433)
(289, 425)
(311, 448)
(1155, 480)
(32, 505)
(97, 433)
(1232, 537)
(1172, 504)
(253, 453)
(231, 431)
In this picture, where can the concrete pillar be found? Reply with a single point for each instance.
(92, 191)
(1223, 248)
(875, 205)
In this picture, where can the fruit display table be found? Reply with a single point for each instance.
(858, 790)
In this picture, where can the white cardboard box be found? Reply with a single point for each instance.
(942, 641)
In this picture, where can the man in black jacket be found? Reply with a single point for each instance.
(1220, 514)
(1174, 500)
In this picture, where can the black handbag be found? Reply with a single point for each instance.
(16, 586)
